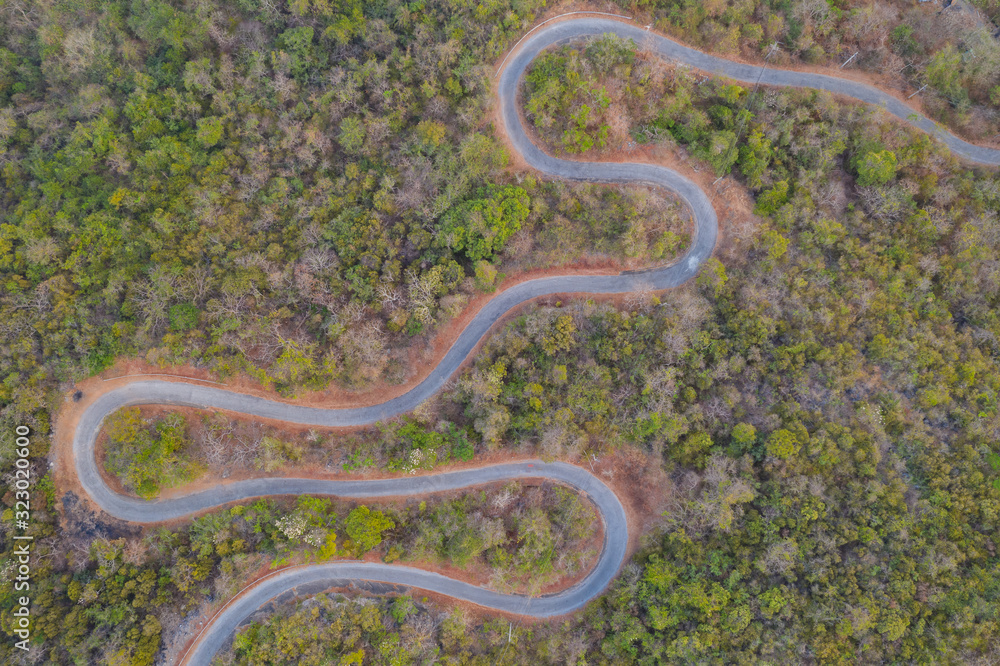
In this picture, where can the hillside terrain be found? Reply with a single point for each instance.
(310, 202)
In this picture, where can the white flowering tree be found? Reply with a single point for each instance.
(309, 530)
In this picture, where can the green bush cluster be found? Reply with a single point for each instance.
(148, 454)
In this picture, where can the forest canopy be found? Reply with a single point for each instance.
(300, 194)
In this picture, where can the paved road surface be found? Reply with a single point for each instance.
(315, 578)
(570, 30)
(611, 511)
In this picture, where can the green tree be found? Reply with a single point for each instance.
(744, 437)
(481, 227)
(694, 448)
(183, 317)
(147, 455)
(610, 51)
(579, 138)
(298, 43)
(352, 134)
(771, 200)
(755, 156)
(719, 150)
(366, 527)
(783, 444)
(877, 168)
(560, 335)
(944, 74)
(210, 131)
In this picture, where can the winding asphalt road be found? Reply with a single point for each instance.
(574, 29)
(610, 508)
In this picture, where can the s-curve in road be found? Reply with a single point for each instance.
(315, 578)
(612, 514)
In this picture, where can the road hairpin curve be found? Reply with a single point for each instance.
(610, 509)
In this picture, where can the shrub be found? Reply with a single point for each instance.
(877, 168)
(366, 527)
